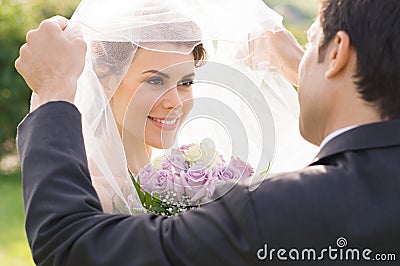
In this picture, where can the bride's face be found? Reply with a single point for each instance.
(154, 97)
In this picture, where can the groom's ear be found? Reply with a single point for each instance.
(339, 54)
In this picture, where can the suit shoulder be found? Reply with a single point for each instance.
(307, 190)
(303, 177)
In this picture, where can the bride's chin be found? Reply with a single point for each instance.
(160, 147)
(160, 144)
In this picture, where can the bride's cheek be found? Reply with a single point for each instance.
(149, 105)
(186, 96)
(188, 102)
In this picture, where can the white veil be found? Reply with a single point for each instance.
(113, 29)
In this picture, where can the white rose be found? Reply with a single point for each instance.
(157, 162)
(209, 157)
(193, 154)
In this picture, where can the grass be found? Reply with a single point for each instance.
(14, 249)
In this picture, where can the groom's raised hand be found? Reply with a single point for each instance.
(286, 52)
(50, 62)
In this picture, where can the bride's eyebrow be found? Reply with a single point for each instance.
(157, 72)
(189, 75)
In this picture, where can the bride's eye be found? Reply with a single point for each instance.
(186, 83)
(155, 81)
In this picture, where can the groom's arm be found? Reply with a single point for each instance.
(65, 224)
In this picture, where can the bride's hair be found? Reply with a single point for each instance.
(109, 58)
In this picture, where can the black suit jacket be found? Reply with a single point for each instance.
(350, 191)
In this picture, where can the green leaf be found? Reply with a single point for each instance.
(266, 171)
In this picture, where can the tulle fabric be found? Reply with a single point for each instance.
(114, 29)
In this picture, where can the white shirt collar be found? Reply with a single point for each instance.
(335, 134)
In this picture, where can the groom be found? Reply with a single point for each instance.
(342, 209)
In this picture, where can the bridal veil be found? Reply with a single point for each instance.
(241, 101)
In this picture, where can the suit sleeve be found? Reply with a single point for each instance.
(65, 224)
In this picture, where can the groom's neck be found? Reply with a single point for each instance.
(355, 112)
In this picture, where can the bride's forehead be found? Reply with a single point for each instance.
(160, 60)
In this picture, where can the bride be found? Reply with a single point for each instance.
(140, 86)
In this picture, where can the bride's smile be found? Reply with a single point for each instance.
(165, 123)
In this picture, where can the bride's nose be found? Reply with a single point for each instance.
(172, 99)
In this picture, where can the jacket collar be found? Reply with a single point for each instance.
(370, 136)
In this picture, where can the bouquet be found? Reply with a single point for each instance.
(186, 178)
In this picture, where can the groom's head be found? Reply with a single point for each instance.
(350, 73)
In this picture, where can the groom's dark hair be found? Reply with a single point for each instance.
(374, 29)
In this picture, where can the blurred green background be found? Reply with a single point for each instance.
(16, 18)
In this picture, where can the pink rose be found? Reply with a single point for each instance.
(225, 173)
(244, 168)
(146, 176)
(185, 147)
(163, 182)
(152, 180)
(176, 161)
(196, 179)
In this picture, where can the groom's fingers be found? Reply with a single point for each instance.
(51, 26)
(24, 52)
(287, 51)
(81, 46)
(30, 36)
(56, 21)
(50, 61)
(60, 21)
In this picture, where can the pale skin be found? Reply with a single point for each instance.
(152, 102)
(45, 61)
(286, 52)
(328, 96)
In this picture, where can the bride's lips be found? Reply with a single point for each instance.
(164, 123)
